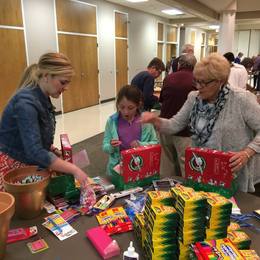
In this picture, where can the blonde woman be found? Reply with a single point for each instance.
(27, 125)
(220, 117)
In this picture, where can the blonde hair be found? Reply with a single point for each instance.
(49, 63)
(214, 66)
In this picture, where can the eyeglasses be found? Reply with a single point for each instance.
(202, 83)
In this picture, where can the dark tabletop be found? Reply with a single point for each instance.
(78, 247)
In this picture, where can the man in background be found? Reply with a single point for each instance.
(238, 58)
(186, 49)
(175, 90)
(144, 80)
(238, 75)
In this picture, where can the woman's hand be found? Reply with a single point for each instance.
(148, 117)
(56, 151)
(82, 178)
(115, 142)
(239, 160)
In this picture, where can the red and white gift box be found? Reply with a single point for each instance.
(208, 166)
(140, 163)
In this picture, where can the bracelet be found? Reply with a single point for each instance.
(247, 154)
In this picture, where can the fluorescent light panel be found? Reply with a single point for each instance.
(172, 11)
(137, 1)
(214, 27)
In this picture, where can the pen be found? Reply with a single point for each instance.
(56, 226)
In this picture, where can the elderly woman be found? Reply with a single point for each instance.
(220, 117)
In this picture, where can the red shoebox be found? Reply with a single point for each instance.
(208, 166)
(66, 148)
(140, 163)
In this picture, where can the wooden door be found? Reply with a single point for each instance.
(121, 45)
(12, 49)
(74, 18)
(160, 55)
(170, 51)
(121, 64)
(83, 90)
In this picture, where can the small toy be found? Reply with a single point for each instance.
(104, 203)
(19, 234)
(37, 246)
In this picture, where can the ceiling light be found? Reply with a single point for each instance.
(137, 1)
(213, 27)
(172, 11)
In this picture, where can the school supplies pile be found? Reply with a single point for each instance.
(209, 170)
(138, 167)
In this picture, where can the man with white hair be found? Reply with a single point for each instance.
(186, 49)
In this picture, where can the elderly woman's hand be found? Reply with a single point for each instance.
(148, 117)
(240, 159)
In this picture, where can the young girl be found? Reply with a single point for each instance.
(123, 129)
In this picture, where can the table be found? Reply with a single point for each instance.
(78, 247)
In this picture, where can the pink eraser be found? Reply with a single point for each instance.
(105, 246)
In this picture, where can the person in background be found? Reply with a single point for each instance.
(238, 76)
(238, 58)
(248, 64)
(186, 49)
(256, 71)
(174, 93)
(220, 117)
(27, 125)
(123, 129)
(145, 82)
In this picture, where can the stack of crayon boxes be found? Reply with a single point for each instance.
(175, 191)
(139, 228)
(192, 210)
(218, 215)
(161, 223)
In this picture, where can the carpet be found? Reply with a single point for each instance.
(98, 159)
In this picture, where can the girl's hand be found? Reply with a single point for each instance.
(135, 144)
(115, 142)
(238, 160)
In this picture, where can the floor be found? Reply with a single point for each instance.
(84, 123)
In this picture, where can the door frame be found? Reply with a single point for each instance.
(120, 38)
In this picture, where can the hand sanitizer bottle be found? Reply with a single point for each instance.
(130, 254)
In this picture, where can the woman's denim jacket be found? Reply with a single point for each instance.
(27, 127)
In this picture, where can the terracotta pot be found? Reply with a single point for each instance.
(29, 197)
(6, 213)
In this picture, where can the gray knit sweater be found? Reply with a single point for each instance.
(237, 127)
